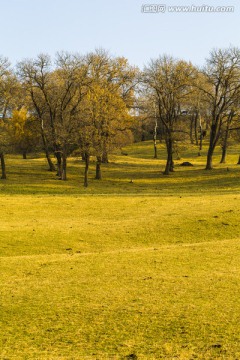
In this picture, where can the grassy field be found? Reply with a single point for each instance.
(141, 269)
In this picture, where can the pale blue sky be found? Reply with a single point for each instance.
(29, 27)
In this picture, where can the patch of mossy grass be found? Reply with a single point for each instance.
(148, 269)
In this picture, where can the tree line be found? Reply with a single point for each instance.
(92, 104)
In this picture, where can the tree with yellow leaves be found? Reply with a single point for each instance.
(108, 103)
(22, 132)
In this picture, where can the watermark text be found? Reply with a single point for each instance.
(162, 8)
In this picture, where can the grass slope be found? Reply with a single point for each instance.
(149, 268)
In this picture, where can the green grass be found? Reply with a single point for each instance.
(150, 268)
(30, 176)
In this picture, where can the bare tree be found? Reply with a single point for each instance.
(35, 76)
(222, 89)
(170, 81)
(56, 93)
(8, 92)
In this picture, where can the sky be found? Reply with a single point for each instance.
(31, 27)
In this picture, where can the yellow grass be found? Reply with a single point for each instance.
(149, 268)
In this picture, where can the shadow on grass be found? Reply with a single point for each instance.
(123, 175)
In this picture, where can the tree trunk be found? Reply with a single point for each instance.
(155, 149)
(191, 130)
(105, 157)
(238, 160)
(3, 167)
(50, 163)
(64, 167)
(200, 136)
(209, 158)
(59, 163)
(98, 168)
(225, 141)
(155, 138)
(169, 164)
(24, 154)
(196, 127)
(87, 157)
(212, 144)
(224, 152)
